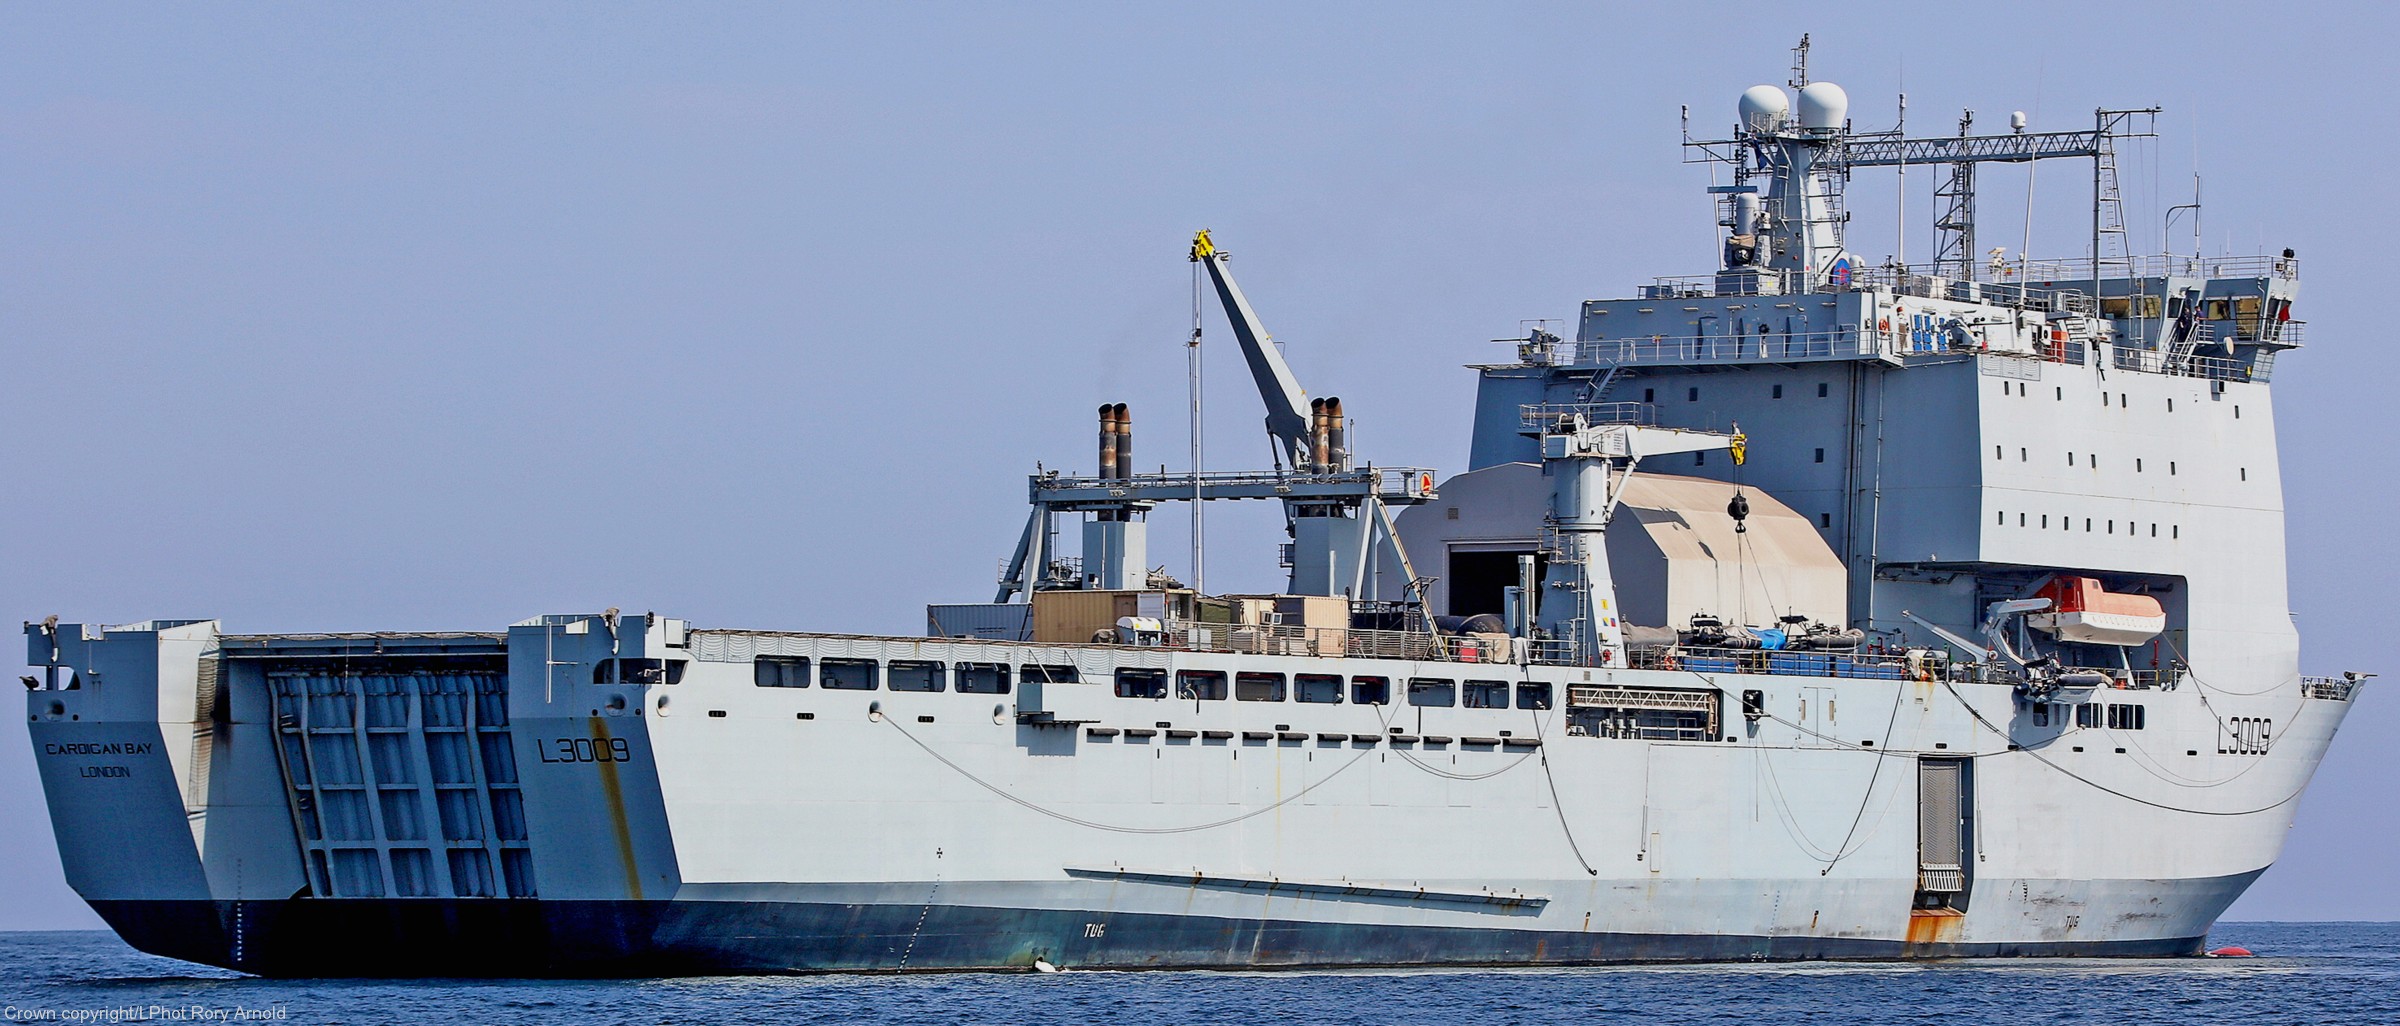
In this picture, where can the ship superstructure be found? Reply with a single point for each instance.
(1801, 609)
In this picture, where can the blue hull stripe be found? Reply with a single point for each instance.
(543, 938)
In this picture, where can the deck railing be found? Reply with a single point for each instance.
(2332, 689)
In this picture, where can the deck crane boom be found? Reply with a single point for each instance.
(1287, 424)
(1589, 452)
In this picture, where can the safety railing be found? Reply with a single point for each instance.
(1291, 640)
(1728, 348)
(1705, 659)
(2331, 689)
(1539, 417)
(2213, 368)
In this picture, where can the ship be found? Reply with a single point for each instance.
(1807, 608)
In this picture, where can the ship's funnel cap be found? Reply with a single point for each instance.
(1824, 107)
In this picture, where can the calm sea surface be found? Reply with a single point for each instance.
(2305, 973)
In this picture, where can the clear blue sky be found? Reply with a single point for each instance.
(325, 317)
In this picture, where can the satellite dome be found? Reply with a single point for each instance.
(1823, 106)
(1763, 108)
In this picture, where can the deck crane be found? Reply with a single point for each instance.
(1291, 430)
(1333, 541)
(1589, 451)
(1339, 516)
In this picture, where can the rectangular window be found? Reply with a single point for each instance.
(1486, 694)
(780, 672)
(847, 674)
(1434, 691)
(1778, 393)
(1692, 395)
(638, 671)
(915, 675)
(1824, 520)
(1258, 687)
(1820, 390)
(1046, 673)
(2041, 715)
(1371, 690)
(1317, 688)
(1533, 695)
(2003, 519)
(983, 678)
(1700, 459)
(1141, 683)
(1200, 685)
(1649, 395)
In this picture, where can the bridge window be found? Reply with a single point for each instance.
(1317, 688)
(847, 674)
(1258, 687)
(1136, 682)
(1433, 691)
(1200, 685)
(780, 672)
(983, 678)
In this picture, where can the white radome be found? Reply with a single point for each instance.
(1763, 108)
(1823, 105)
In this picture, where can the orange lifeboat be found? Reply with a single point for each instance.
(2083, 612)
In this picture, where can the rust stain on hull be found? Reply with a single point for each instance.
(614, 791)
(1930, 926)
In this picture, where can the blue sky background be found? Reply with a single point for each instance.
(341, 317)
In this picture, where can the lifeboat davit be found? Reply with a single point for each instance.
(2083, 612)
